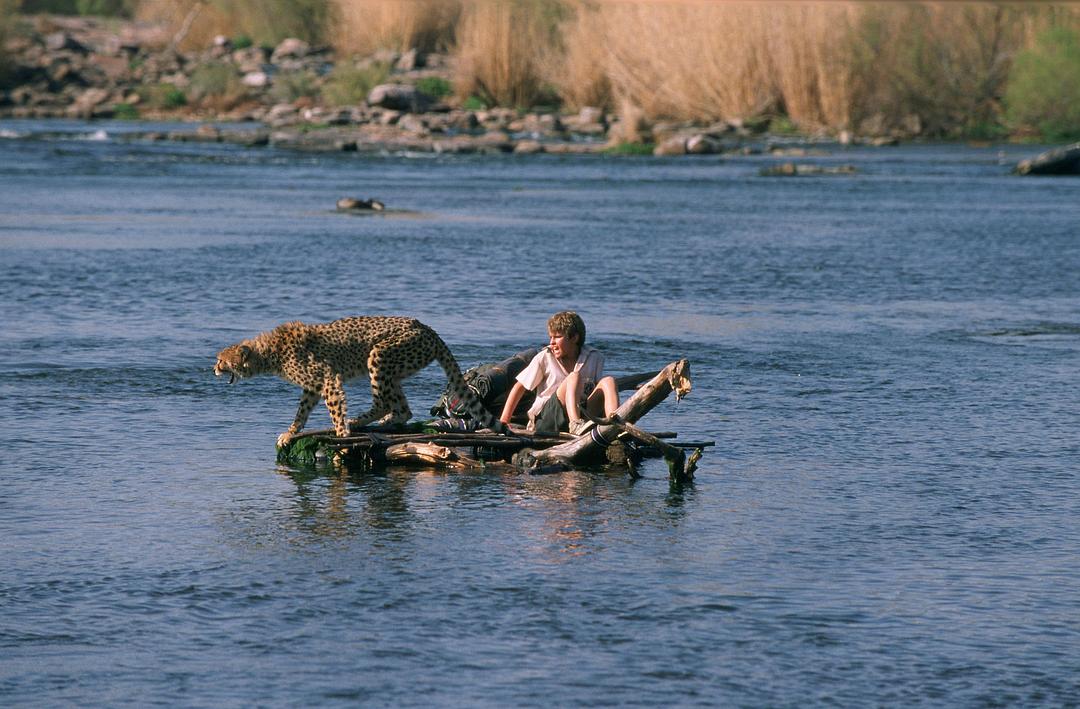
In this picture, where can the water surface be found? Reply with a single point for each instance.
(887, 362)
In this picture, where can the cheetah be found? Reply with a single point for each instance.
(321, 358)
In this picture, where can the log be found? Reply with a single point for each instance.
(674, 377)
(535, 455)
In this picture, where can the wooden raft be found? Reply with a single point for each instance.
(615, 441)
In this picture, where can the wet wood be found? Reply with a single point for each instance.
(673, 378)
(490, 451)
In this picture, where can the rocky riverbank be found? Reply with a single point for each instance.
(92, 69)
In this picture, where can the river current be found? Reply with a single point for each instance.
(886, 360)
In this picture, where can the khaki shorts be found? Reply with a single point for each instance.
(552, 418)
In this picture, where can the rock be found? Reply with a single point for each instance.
(282, 114)
(249, 59)
(256, 79)
(701, 145)
(87, 101)
(409, 61)
(399, 97)
(208, 133)
(1059, 161)
(290, 48)
(413, 124)
(528, 147)
(463, 120)
(591, 114)
(61, 41)
(115, 68)
(672, 146)
(790, 169)
(349, 204)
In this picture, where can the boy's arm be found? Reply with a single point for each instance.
(512, 400)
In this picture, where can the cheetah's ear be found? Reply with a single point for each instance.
(245, 354)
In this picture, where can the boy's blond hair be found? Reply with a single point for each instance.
(567, 322)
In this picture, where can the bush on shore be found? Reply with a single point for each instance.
(1044, 86)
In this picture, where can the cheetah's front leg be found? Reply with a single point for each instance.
(334, 394)
(307, 402)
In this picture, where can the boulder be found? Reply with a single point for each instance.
(399, 97)
(61, 41)
(528, 147)
(1059, 161)
(675, 145)
(249, 59)
(701, 145)
(87, 101)
(256, 79)
(409, 61)
(290, 48)
(413, 124)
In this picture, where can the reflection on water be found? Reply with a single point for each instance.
(569, 513)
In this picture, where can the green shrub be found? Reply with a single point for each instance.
(215, 80)
(347, 85)
(782, 125)
(125, 112)
(164, 95)
(474, 103)
(1043, 90)
(435, 86)
(291, 85)
(242, 41)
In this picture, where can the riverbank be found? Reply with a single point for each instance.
(302, 97)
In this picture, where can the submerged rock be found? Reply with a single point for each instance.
(790, 169)
(349, 204)
(1059, 161)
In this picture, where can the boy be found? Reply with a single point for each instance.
(566, 377)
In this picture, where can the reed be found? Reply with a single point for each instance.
(937, 68)
(365, 26)
(504, 49)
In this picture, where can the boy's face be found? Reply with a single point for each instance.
(563, 344)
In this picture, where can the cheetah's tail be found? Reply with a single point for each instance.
(461, 390)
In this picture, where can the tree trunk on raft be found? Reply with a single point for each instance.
(674, 377)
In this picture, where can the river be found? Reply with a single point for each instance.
(887, 361)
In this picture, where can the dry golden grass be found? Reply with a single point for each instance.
(833, 65)
(504, 48)
(263, 21)
(936, 66)
(364, 26)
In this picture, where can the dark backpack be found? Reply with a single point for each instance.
(490, 382)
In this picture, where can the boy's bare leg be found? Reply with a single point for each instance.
(570, 394)
(604, 399)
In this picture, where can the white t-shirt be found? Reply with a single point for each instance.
(545, 373)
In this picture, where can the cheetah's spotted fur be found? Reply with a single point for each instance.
(321, 358)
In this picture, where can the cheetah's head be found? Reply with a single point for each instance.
(236, 361)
